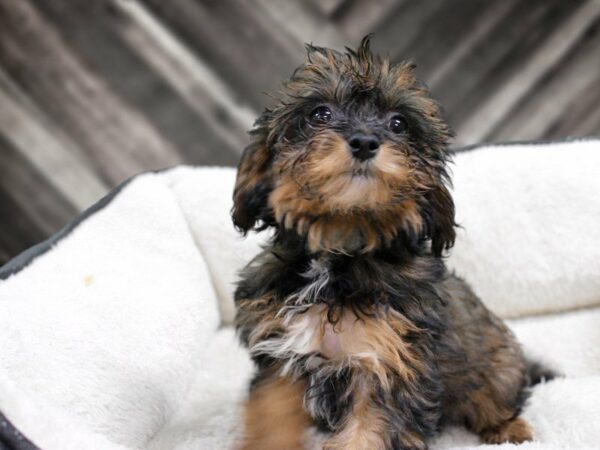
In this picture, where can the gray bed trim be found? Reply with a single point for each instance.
(25, 258)
(11, 438)
(22, 260)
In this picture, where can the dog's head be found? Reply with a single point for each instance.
(352, 157)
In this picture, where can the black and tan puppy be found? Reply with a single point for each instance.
(353, 322)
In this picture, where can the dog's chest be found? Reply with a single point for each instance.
(312, 333)
(372, 342)
(309, 333)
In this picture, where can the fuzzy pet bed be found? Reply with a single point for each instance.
(115, 333)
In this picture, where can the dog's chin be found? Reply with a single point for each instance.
(356, 191)
(346, 206)
(360, 174)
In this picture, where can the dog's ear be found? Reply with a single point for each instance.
(252, 186)
(440, 219)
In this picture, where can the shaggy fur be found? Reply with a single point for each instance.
(349, 314)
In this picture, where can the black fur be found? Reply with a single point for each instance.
(458, 362)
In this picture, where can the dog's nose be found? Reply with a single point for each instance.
(363, 146)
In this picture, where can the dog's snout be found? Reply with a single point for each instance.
(363, 146)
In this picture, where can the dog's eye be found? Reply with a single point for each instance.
(321, 114)
(397, 124)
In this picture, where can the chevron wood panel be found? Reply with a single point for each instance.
(92, 93)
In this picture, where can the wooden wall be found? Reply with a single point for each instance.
(92, 92)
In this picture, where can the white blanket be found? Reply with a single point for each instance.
(118, 336)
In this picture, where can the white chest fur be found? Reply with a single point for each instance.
(374, 342)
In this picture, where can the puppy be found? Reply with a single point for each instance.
(355, 326)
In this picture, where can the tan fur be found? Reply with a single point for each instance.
(489, 412)
(252, 170)
(262, 315)
(316, 194)
(364, 426)
(274, 417)
(377, 381)
(515, 430)
(374, 344)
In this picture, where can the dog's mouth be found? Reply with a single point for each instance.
(364, 171)
(360, 173)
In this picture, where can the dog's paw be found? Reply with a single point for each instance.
(515, 431)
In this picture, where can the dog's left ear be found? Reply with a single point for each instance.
(252, 186)
(441, 219)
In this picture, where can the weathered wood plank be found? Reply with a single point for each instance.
(549, 102)
(503, 49)
(403, 26)
(357, 18)
(327, 7)
(458, 41)
(483, 120)
(581, 117)
(247, 49)
(141, 62)
(304, 24)
(116, 137)
(53, 155)
(30, 207)
(195, 82)
(40, 204)
(17, 231)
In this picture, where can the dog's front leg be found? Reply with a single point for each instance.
(273, 415)
(367, 426)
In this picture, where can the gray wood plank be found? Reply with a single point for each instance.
(57, 158)
(580, 118)
(304, 24)
(194, 81)
(549, 103)
(460, 36)
(39, 201)
(356, 18)
(402, 26)
(116, 137)
(327, 7)
(483, 120)
(249, 51)
(500, 54)
(30, 208)
(113, 40)
(17, 231)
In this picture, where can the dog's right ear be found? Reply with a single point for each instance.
(252, 186)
